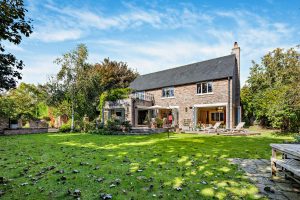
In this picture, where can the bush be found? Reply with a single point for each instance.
(103, 132)
(126, 126)
(113, 127)
(159, 122)
(90, 126)
(297, 138)
(65, 127)
(46, 118)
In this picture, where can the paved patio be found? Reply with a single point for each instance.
(259, 172)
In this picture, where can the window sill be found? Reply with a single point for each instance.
(203, 94)
(167, 97)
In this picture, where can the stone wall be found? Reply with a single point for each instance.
(185, 98)
(24, 131)
(4, 123)
(38, 124)
(130, 106)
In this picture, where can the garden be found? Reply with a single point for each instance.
(90, 166)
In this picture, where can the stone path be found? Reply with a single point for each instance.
(259, 172)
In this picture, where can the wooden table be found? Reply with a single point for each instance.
(290, 162)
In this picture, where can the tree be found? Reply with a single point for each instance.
(27, 101)
(114, 74)
(7, 107)
(271, 94)
(79, 83)
(73, 64)
(13, 26)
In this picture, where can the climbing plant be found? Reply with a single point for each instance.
(112, 95)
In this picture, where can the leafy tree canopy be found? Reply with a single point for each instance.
(113, 95)
(271, 95)
(27, 101)
(13, 25)
(82, 83)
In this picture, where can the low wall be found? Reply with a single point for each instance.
(3, 124)
(21, 131)
(146, 130)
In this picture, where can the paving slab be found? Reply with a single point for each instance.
(259, 172)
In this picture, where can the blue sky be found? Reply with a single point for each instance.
(155, 35)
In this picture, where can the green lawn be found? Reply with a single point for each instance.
(128, 167)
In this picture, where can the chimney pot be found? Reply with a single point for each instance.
(235, 45)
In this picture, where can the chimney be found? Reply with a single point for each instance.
(236, 50)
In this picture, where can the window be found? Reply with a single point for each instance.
(217, 116)
(168, 92)
(140, 95)
(209, 87)
(118, 113)
(204, 88)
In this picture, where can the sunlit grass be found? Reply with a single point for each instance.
(154, 166)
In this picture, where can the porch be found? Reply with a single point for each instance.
(206, 115)
(145, 116)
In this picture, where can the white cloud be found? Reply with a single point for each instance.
(47, 34)
(132, 17)
(38, 68)
(255, 38)
(158, 55)
(200, 35)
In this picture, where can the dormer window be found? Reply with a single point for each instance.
(168, 92)
(204, 88)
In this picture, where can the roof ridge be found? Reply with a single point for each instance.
(187, 65)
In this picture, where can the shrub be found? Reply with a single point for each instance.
(159, 122)
(113, 125)
(78, 125)
(47, 118)
(127, 126)
(103, 131)
(89, 126)
(65, 127)
(297, 138)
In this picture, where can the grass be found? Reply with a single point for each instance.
(128, 167)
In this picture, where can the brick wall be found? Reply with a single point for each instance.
(186, 97)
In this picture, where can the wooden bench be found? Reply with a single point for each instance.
(289, 162)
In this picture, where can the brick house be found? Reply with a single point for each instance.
(201, 93)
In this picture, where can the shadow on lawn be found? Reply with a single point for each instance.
(191, 165)
(182, 166)
(235, 147)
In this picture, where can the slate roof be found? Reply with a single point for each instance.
(213, 69)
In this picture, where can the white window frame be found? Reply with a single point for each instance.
(217, 115)
(201, 84)
(168, 89)
(140, 95)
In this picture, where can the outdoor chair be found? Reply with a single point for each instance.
(214, 128)
(188, 123)
(239, 128)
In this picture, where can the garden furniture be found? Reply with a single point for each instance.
(290, 161)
